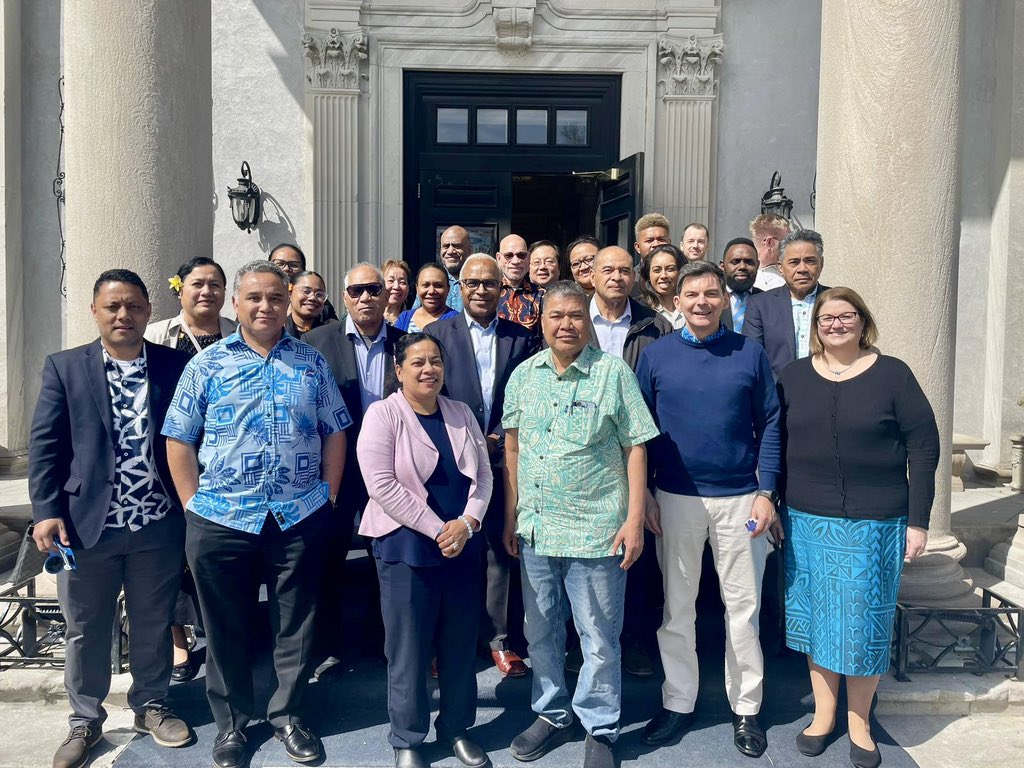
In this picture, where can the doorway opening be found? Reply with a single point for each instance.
(555, 207)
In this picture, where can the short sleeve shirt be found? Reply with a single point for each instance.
(572, 429)
(259, 422)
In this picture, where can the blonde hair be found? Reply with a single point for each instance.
(649, 220)
(869, 334)
(768, 222)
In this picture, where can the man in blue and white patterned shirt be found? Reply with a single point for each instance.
(266, 415)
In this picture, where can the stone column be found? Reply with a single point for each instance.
(139, 158)
(888, 208)
(684, 174)
(333, 65)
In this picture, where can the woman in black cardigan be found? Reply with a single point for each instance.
(862, 448)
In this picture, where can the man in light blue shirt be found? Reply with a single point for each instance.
(266, 415)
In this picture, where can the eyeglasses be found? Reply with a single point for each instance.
(355, 291)
(288, 266)
(586, 261)
(845, 318)
(305, 290)
(523, 255)
(472, 285)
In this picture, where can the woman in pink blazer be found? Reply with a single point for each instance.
(425, 465)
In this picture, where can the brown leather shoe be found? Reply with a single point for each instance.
(74, 752)
(509, 663)
(166, 728)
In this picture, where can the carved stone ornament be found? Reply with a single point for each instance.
(513, 24)
(690, 65)
(333, 58)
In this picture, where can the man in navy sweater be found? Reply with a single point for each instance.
(715, 466)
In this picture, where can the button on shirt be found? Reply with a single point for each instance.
(802, 310)
(485, 349)
(572, 429)
(369, 362)
(260, 421)
(139, 497)
(611, 334)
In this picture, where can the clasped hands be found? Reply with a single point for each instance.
(453, 536)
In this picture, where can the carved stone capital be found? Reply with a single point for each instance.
(333, 58)
(513, 24)
(690, 65)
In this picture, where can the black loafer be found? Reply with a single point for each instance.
(864, 758)
(299, 742)
(748, 735)
(409, 758)
(469, 752)
(230, 750)
(667, 726)
(539, 739)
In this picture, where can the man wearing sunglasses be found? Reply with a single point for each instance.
(99, 484)
(360, 349)
(520, 299)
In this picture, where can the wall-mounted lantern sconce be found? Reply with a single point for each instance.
(775, 200)
(245, 201)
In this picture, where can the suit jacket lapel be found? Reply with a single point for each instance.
(465, 353)
(96, 377)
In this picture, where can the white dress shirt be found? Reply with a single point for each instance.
(611, 334)
(485, 351)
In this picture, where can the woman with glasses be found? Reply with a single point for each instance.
(307, 297)
(432, 289)
(659, 271)
(428, 477)
(396, 283)
(861, 449)
(201, 287)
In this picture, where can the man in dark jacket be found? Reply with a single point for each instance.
(99, 484)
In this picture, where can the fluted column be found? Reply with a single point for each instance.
(888, 208)
(683, 167)
(333, 65)
(139, 176)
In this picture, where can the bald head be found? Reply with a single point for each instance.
(454, 248)
(513, 258)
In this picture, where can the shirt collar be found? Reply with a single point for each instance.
(351, 330)
(524, 285)
(687, 335)
(808, 299)
(485, 328)
(236, 341)
(626, 317)
(583, 362)
(141, 359)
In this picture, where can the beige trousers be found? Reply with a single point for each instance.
(687, 522)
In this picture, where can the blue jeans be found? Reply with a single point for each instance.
(593, 589)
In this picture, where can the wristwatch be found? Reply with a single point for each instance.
(772, 496)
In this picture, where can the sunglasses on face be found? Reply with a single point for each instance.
(355, 291)
(516, 255)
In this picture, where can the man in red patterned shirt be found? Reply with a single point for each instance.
(520, 299)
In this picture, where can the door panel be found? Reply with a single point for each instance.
(619, 202)
(480, 201)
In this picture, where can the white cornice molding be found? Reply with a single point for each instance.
(691, 65)
(333, 58)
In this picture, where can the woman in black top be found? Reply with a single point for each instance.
(306, 301)
(861, 449)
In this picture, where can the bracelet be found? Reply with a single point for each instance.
(468, 526)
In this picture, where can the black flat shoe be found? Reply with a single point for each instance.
(864, 758)
(469, 752)
(812, 746)
(408, 758)
(187, 670)
(230, 750)
(748, 735)
(299, 742)
(667, 726)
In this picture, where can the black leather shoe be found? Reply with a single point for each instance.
(598, 753)
(748, 735)
(812, 746)
(409, 758)
(230, 750)
(187, 670)
(636, 661)
(469, 752)
(864, 758)
(539, 739)
(299, 742)
(667, 726)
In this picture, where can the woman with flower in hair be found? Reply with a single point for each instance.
(201, 286)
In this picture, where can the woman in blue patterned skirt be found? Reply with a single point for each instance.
(861, 452)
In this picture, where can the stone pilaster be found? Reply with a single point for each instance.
(888, 208)
(138, 138)
(684, 174)
(334, 65)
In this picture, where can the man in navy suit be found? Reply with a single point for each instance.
(780, 319)
(481, 351)
(739, 263)
(99, 483)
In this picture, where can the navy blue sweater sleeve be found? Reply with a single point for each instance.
(767, 425)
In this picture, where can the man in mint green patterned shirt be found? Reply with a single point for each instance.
(575, 427)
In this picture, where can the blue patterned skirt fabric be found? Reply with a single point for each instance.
(842, 578)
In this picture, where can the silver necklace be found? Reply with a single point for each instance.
(840, 372)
